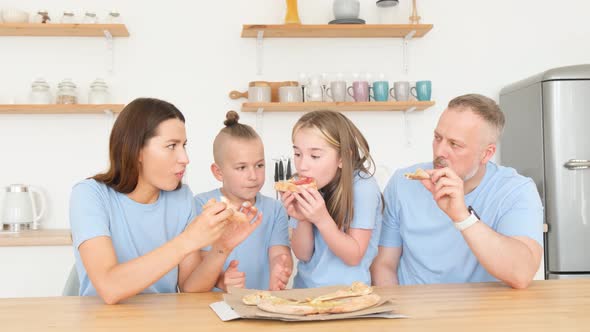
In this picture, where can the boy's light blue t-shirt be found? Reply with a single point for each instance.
(135, 229)
(325, 268)
(433, 250)
(252, 253)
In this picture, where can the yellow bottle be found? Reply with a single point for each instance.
(292, 16)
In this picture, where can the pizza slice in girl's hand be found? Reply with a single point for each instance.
(296, 182)
(419, 174)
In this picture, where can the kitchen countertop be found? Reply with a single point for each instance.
(547, 305)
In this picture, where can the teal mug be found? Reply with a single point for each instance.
(422, 91)
(380, 90)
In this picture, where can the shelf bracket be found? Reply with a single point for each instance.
(407, 127)
(407, 38)
(110, 119)
(259, 51)
(110, 55)
(259, 120)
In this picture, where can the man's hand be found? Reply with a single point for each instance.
(448, 192)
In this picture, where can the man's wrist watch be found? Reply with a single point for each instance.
(472, 219)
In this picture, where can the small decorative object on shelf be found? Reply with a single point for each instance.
(414, 19)
(40, 93)
(99, 92)
(292, 16)
(66, 93)
(42, 16)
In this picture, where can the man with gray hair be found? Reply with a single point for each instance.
(466, 219)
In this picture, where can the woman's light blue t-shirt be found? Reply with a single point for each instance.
(135, 229)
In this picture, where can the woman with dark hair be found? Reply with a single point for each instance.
(135, 228)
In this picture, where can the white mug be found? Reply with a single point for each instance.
(290, 94)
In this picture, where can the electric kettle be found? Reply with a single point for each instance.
(19, 208)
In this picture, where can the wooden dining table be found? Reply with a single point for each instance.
(548, 305)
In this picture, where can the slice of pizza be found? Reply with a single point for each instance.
(294, 182)
(255, 298)
(419, 174)
(356, 289)
(290, 307)
(238, 216)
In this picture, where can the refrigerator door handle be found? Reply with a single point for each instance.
(577, 164)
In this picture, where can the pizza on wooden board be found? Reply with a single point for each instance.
(238, 216)
(419, 174)
(357, 297)
(293, 183)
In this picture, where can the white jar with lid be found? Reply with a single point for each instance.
(40, 93)
(99, 92)
(90, 18)
(113, 17)
(67, 93)
(68, 17)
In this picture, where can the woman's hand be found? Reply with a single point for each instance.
(207, 227)
(236, 232)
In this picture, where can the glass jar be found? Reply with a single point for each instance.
(42, 16)
(90, 18)
(99, 92)
(66, 92)
(68, 17)
(40, 93)
(113, 17)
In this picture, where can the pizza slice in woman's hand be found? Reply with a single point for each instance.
(296, 182)
(238, 215)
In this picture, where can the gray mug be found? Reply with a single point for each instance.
(337, 91)
(401, 91)
(290, 94)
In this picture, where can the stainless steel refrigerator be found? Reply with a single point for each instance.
(547, 137)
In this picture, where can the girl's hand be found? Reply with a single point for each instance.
(312, 206)
(290, 204)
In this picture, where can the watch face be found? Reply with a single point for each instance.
(471, 210)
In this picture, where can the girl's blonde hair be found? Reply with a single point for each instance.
(353, 149)
(232, 129)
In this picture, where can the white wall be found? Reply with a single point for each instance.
(191, 53)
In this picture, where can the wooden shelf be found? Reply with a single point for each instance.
(53, 30)
(60, 109)
(42, 237)
(339, 106)
(336, 30)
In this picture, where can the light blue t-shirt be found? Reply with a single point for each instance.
(252, 253)
(325, 268)
(134, 228)
(433, 250)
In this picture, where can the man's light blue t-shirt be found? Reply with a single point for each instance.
(135, 229)
(433, 250)
(252, 253)
(325, 268)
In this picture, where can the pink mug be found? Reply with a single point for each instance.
(360, 91)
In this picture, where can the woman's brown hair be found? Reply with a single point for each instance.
(136, 124)
(354, 151)
(232, 129)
